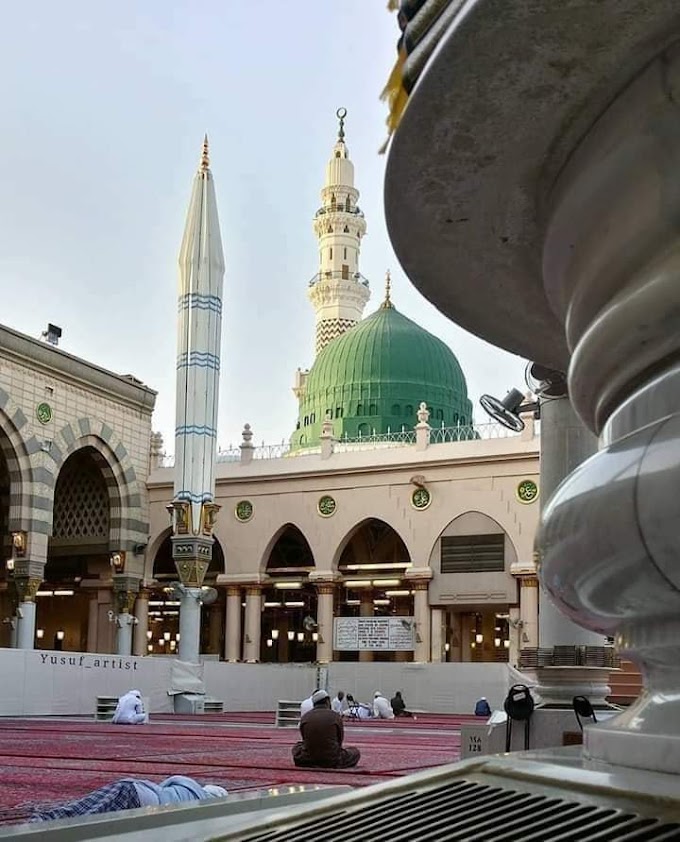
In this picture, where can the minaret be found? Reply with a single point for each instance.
(199, 322)
(338, 291)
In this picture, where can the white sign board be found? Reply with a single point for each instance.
(474, 740)
(374, 634)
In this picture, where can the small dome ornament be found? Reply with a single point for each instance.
(205, 156)
(387, 303)
(341, 113)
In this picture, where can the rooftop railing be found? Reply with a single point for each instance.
(330, 276)
(371, 441)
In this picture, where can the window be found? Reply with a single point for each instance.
(346, 229)
(408, 410)
(333, 202)
(364, 430)
(330, 253)
(344, 253)
(473, 553)
(337, 154)
(312, 418)
(345, 272)
(396, 409)
(338, 412)
(329, 413)
(373, 409)
(439, 415)
(348, 205)
(360, 409)
(306, 420)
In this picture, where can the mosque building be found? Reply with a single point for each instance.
(391, 527)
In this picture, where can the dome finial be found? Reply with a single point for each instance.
(387, 303)
(205, 158)
(341, 113)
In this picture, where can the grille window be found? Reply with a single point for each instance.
(473, 554)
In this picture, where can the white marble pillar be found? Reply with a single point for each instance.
(190, 626)
(26, 626)
(251, 649)
(528, 612)
(324, 646)
(437, 638)
(232, 643)
(421, 610)
(139, 643)
(124, 623)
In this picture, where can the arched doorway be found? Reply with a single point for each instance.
(373, 564)
(163, 634)
(78, 556)
(289, 600)
(473, 549)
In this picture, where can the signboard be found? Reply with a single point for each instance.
(474, 740)
(374, 634)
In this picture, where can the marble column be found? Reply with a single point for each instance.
(232, 643)
(437, 635)
(93, 622)
(253, 623)
(528, 612)
(26, 590)
(125, 589)
(324, 646)
(139, 643)
(214, 628)
(421, 610)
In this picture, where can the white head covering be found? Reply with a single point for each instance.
(376, 694)
(319, 696)
(136, 693)
(215, 791)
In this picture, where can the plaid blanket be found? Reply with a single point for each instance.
(121, 795)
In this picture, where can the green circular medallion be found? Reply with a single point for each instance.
(421, 498)
(527, 491)
(44, 413)
(326, 506)
(244, 510)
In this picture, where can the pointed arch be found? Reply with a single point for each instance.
(376, 540)
(297, 542)
(474, 523)
(16, 453)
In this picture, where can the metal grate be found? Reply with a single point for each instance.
(81, 500)
(470, 811)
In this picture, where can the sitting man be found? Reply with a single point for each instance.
(482, 707)
(129, 793)
(130, 709)
(399, 705)
(357, 710)
(339, 704)
(381, 707)
(322, 734)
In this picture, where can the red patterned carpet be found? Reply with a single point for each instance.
(51, 760)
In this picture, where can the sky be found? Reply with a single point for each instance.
(104, 109)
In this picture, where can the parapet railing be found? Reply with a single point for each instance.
(371, 441)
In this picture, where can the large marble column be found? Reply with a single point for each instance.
(528, 612)
(324, 646)
(253, 624)
(232, 643)
(26, 589)
(421, 611)
(125, 589)
(437, 636)
(139, 644)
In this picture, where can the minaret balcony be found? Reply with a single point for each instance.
(335, 276)
(338, 209)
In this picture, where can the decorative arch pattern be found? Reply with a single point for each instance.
(18, 459)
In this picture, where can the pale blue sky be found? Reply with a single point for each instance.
(104, 107)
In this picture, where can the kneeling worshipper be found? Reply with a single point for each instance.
(322, 735)
(129, 793)
(399, 705)
(130, 709)
(381, 707)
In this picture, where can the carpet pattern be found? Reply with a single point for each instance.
(46, 761)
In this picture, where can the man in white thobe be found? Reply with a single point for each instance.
(382, 709)
(130, 709)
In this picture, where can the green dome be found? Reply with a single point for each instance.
(374, 376)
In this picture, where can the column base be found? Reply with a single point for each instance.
(557, 686)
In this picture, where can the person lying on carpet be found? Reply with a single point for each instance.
(381, 707)
(357, 710)
(129, 793)
(322, 735)
(130, 709)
